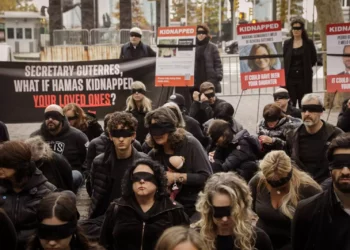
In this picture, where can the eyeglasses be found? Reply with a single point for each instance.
(72, 118)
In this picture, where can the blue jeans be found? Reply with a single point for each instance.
(77, 180)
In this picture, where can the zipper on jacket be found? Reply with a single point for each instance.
(143, 232)
(16, 208)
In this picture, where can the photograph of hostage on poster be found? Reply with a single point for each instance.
(175, 56)
(338, 57)
(261, 55)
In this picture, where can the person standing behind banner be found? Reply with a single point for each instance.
(299, 55)
(208, 66)
(138, 104)
(261, 64)
(135, 48)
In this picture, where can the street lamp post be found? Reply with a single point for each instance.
(186, 11)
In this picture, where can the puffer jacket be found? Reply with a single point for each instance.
(127, 227)
(277, 133)
(101, 179)
(21, 207)
(240, 156)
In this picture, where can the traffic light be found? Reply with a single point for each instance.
(254, 21)
(241, 15)
(236, 6)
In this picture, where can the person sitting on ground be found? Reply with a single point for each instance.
(273, 128)
(204, 103)
(233, 152)
(180, 238)
(344, 116)
(139, 217)
(8, 236)
(57, 228)
(84, 122)
(53, 166)
(282, 99)
(22, 186)
(226, 218)
(277, 189)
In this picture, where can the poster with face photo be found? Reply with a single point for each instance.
(261, 55)
(338, 57)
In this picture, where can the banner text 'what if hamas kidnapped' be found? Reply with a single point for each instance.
(97, 86)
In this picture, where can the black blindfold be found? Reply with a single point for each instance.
(314, 108)
(157, 129)
(210, 95)
(141, 91)
(135, 34)
(145, 176)
(56, 232)
(203, 32)
(271, 118)
(281, 95)
(117, 133)
(282, 181)
(297, 28)
(340, 161)
(54, 115)
(72, 118)
(219, 212)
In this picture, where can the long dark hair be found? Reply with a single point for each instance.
(304, 35)
(159, 174)
(62, 206)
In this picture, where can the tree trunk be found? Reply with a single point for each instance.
(125, 14)
(329, 11)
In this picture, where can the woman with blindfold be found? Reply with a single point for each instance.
(273, 128)
(300, 56)
(139, 217)
(168, 140)
(277, 189)
(139, 105)
(226, 221)
(58, 217)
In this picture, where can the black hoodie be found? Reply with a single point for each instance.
(344, 117)
(69, 142)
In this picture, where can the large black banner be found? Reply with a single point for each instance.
(97, 86)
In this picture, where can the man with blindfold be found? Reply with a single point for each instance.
(282, 99)
(308, 143)
(344, 116)
(65, 140)
(322, 222)
(135, 48)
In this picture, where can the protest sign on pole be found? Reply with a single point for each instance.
(175, 56)
(97, 86)
(261, 57)
(338, 57)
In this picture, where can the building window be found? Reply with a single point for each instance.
(19, 33)
(10, 33)
(28, 33)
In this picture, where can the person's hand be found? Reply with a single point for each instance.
(195, 96)
(265, 139)
(204, 98)
(348, 104)
(211, 156)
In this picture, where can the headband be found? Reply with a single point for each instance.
(282, 181)
(316, 108)
(56, 232)
(339, 161)
(157, 129)
(117, 133)
(137, 177)
(219, 212)
(280, 95)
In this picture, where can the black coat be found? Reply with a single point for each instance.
(21, 207)
(93, 130)
(138, 52)
(4, 134)
(293, 111)
(320, 223)
(310, 59)
(8, 237)
(194, 128)
(101, 179)
(69, 142)
(203, 111)
(344, 117)
(57, 171)
(127, 227)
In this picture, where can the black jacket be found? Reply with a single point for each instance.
(69, 142)
(236, 126)
(293, 111)
(127, 227)
(102, 179)
(8, 239)
(194, 128)
(141, 131)
(141, 50)
(196, 166)
(344, 117)
(57, 171)
(309, 60)
(21, 207)
(320, 173)
(4, 134)
(240, 156)
(203, 111)
(320, 223)
(93, 130)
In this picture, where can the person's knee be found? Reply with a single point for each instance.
(77, 180)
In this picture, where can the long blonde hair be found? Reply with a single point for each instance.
(36, 143)
(79, 112)
(146, 103)
(238, 191)
(277, 164)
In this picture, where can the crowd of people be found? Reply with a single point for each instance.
(179, 176)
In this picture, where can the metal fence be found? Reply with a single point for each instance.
(231, 82)
(104, 36)
(71, 37)
(148, 36)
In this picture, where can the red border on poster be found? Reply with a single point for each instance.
(339, 83)
(256, 80)
(253, 28)
(338, 29)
